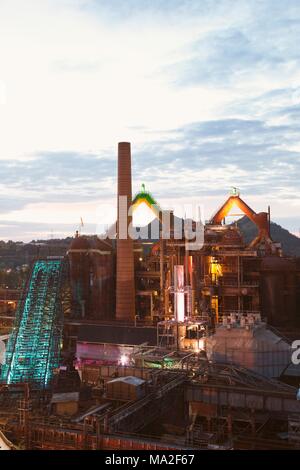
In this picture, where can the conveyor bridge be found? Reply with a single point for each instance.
(33, 348)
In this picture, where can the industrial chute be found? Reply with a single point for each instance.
(261, 219)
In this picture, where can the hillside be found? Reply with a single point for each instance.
(290, 243)
(15, 254)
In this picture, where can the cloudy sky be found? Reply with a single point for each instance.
(207, 91)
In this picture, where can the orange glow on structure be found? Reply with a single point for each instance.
(215, 307)
(261, 219)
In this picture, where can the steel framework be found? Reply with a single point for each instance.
(34, 345)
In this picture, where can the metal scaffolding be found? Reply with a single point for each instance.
(34, 345)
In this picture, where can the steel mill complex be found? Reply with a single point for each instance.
(158, 340)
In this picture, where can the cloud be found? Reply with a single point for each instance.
(207, 92)
(202, 158)
(219, 60)
(10, 203)
(226, 152)
(28, 231)
(53, 175)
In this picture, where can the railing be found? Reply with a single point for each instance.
(228, 283)
(235, 283)
(239, 314)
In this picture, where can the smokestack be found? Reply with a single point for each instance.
(125, 302)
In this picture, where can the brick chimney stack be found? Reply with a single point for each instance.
(125, 301)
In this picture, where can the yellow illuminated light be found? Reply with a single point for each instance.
(215, 267)
(216, 272)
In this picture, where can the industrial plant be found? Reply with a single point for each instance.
(147, 338)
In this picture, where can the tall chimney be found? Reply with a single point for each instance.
(125, 302)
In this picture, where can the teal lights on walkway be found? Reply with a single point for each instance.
(34, 345)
